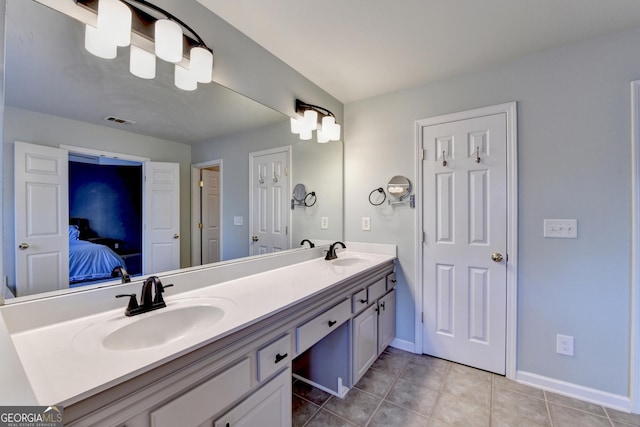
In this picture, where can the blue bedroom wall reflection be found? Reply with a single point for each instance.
(109, 198)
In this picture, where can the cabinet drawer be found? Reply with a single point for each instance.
(391, 281)
(198, 405)
(377, 289)
(273, 357)
(317, 328)
(359, 301)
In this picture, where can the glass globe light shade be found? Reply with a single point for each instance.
(99, 44)
(168, 40)
(201, 64)
(142, 63)
(184, 78)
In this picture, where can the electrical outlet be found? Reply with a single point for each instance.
(564, 345)
(324, 222)
(366, 223)
(561, 228)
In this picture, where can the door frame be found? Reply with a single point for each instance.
(196, 236)
(510, 110)
(634, 356)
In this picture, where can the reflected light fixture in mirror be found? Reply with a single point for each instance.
(304, 127)
(116, 23)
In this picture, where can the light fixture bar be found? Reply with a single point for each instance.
(329, 130)
(143, 22)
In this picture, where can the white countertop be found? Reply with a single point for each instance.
(65, 362)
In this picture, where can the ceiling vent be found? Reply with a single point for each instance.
(119, 120)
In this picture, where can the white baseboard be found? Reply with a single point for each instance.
(610, 400)
(403, 345)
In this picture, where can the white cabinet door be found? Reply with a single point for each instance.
(365, 341)
(41, 218)
(270, 406)
(161, 217)
(386, 320)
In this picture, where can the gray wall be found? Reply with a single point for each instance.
(574, 162)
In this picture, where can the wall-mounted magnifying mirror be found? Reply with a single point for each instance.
(399, 187)
(302, 198)
(299, 193)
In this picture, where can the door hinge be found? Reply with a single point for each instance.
(422, 154)
(201, 183)
(424, 237)
(200, 226)
(286, 171)
(422, 317)
(286, 230)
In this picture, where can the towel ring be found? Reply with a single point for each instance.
(379, 190)
(309, 196)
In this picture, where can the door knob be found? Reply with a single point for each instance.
(254, 238)
(23, 246)
(497, 257)
(176, 236)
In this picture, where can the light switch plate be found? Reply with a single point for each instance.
(366, 223)
(238, 220)
(561, 228)
(324, 222)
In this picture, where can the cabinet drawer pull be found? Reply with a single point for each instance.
(364, 301)
(332, 322)
(281, 357)
(382, 304)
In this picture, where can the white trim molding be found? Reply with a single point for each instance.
(510, 110)
(610, 400)
(634, 357)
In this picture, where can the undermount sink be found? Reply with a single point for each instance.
(344, 262)
(181, 319)
(162, 327)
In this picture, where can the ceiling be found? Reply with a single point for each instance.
(356, 49)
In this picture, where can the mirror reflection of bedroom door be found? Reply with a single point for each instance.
(42, 212)
(161, 245)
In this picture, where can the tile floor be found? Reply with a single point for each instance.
(404, 389)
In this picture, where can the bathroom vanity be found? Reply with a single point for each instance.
(222, 352)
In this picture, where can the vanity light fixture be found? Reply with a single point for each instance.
(118, 19)
(328, 130)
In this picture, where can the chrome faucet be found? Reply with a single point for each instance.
(331, 253)
(147, 302)
(120, 271)
(311, 244)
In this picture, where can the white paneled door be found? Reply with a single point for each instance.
(464, 254)
(161, 217)
(210, 217)
(41, 218)
(270, 194)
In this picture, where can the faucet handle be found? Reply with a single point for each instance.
(133, 303)
(157, 299)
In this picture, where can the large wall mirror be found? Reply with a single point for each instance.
(59, 95)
